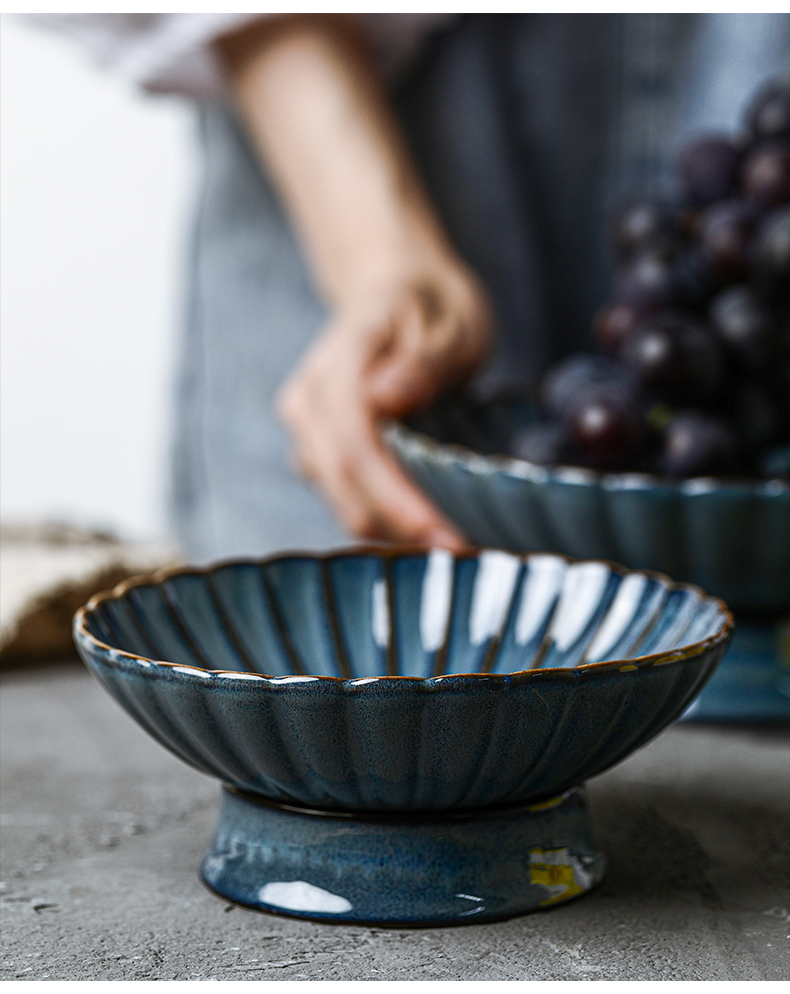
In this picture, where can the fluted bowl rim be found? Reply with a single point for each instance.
(114, 654)
(479, 462)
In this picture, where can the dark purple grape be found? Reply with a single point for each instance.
(642, 224)
(704, 360)
(695, 444)
(562, 383)
(696, 279)
(721, 255)
(770, 250)
(766, 174)
(689, 221)
(708, 169)
(608, 429)
(769, 113)
(724, 236)
(544, 444)
(614, 322)
(782, 381)
(675, 359)
(744, 326)
(622, 390)
(653, 354)
(654, 280)
(650, 280)
(757, 416)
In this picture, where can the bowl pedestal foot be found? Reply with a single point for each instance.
(408, 869)
(752, 682)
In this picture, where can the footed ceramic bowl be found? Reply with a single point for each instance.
(403, 681)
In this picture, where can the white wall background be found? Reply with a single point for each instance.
(96, 186)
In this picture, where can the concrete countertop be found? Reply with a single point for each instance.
(103, 831)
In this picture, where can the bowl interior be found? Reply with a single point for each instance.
(367, 614)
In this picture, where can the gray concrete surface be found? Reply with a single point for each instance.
(103, 830)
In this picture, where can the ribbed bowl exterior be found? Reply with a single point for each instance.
(730, 537)
(403, 680)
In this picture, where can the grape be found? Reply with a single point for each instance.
(689, 221)
(769, 113)
(783, 337)
(771, 245)
(614, 322)
(544, 444)
(744, 325)
(695, 279)
(704, 362)
(699, 318)
(659, 279)
(649, 280)
(641, 224)
(757, 416)
(608, 429)
(766, 174)
(562, 384)
(782, 380)
(708, 169)
(724, 236)
(675, 359)
(695, 444)
(652, 353)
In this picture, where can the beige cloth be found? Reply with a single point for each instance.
(48, 571)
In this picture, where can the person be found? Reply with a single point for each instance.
(391, 206)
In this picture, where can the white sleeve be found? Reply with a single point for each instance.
(173, 53)
(165, 53)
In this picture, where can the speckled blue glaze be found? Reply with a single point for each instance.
(732, 537)
(399, 870)
(403, 680)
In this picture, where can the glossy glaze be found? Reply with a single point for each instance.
(364, 680)
(732, 537)
(401, 870)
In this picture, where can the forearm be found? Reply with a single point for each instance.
(315, 111)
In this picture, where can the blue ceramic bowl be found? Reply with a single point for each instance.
(403, 680)
(732, 537)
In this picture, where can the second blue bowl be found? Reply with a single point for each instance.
(730, 536)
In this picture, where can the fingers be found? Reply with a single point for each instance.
(377, 501)
(383, 363)
(370, 493)
(389, 506)
(339, 449)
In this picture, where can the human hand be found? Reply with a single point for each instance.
(392, 347)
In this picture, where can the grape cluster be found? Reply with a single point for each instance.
(692, 370)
